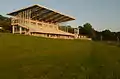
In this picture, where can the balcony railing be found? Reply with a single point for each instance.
(27, 22)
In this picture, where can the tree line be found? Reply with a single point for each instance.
(86, 29)
(89, 31)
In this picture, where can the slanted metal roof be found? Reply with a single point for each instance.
(41, 13)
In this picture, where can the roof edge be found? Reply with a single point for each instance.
(42, 7)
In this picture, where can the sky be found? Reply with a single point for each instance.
(101, 14)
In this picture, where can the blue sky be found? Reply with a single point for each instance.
(102, 14)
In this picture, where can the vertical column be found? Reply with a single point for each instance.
(28, 12)
(28, 19)
(29, 15)
(20, 29)
(18, 17)
(13, 29)
(23, 17)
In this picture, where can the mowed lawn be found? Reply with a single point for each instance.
(29, 57)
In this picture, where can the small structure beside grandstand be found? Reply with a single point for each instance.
(40, 21)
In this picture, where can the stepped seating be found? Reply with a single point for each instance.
(38, 29)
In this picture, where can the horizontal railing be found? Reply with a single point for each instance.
(16, 20)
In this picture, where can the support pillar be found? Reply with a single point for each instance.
(13, 29)
(20, 29)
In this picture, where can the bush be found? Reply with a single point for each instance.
(4, 31)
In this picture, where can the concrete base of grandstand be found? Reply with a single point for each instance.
(21, 30)
(56, 36)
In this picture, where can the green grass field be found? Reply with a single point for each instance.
(28, 57)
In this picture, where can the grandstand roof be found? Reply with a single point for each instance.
(44, 14)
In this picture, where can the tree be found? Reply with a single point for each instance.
(5, 23)
(107, 35)
(89, 30)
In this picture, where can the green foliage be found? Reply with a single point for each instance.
(105, 35)
(28, 57)
(87, 30)
(5, 23)
(87, 26)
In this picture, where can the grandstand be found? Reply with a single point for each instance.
(40, 21)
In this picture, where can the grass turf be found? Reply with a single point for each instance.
(28, 57)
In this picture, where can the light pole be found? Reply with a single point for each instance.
(118, 39)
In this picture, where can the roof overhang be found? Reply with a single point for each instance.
(41, 13)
